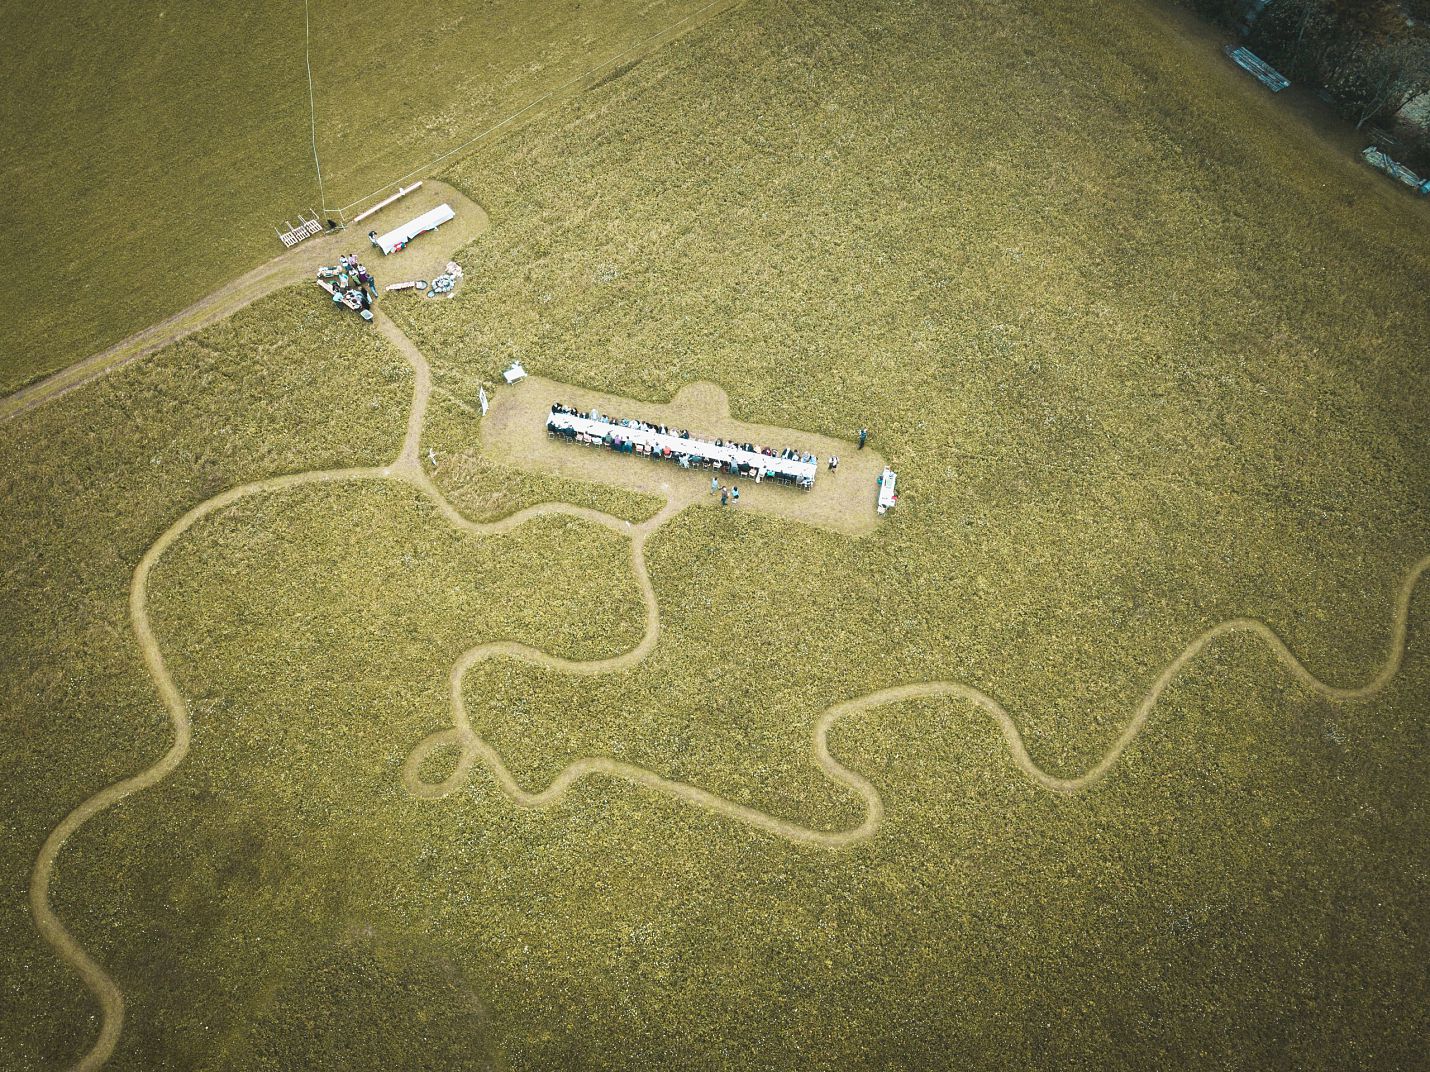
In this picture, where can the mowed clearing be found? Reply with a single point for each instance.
(514, 434)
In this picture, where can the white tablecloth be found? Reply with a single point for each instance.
(799, 470)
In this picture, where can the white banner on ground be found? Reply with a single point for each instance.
(482, 398)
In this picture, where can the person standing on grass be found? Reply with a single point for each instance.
(833, 462)
(735, 493)
(863, 437)
(714, 484)
(724, 497)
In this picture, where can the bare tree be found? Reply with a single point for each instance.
(1381, 77)
(1307, 16)
(1299, 36)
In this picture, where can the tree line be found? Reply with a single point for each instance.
(1370, 57)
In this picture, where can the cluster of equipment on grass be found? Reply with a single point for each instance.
(352, 285)
(440, 287)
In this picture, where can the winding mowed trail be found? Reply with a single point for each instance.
(292, 266)
(472, 752)
(406, 468)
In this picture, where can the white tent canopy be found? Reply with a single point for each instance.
(428, 221)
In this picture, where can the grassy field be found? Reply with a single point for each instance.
(1140, 348)
(1145, 356)
(151, 148)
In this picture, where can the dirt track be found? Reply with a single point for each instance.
(422, 259)
(407, 468)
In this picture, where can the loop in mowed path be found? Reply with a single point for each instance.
(474, 752)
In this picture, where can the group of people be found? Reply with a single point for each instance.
(621, 422)
(351, 284)
(727, 494)
(355, 273)
(792, 454)
(787, 454)
(618, 438)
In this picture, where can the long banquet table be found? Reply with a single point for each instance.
(800, 471)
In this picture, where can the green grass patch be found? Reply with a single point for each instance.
(150, 150)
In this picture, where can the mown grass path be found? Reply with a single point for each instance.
(292, 266)
(407, 468)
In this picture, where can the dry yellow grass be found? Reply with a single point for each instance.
(150, 150)
(1145, 356)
